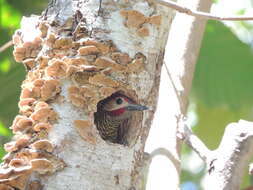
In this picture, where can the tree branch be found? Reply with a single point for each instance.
(186, 134)
(226, 164)
(168, 154)
(200, 14)
(5, 46)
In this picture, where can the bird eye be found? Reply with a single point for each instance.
(119, 101)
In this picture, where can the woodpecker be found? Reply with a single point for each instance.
(112, 116)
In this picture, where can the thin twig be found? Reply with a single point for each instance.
(166, 153)
(193, 141)
(199, 14)
(174, 88)
(5, 46)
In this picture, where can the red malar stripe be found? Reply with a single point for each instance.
(117, 112)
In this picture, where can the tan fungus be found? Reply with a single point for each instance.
(29, 63)
(136, 65)
(43, 61)
(42, 166)
(34, 185)
(103, 47)
(26, 106)
(56, 68)
(133, 18)
(155, 19)
(50, 89)
(102, 80)
(106, 91)
(30, 92)
(87, 91)
(43, 144)
(84, 91)
(39, 82)
(106, 62)
(143, 32)
(88, 50)
(77, 100)
(36, 92)
(33, 75)
(16, 119)
(77, 61)
(85, 130)
(5, 173)
(21, 142)
(37, 41)
(82, 77)
(43, 26)
(43, 115)
(121, 58)
(40, 104)
(8, 157)
(73, 90)
(63, 43)
(51, 37)
(27, 154)
(19, 54)
(16, 38)
(42, 126)
(17, 163)
(19, 181)
(22, 125)
(5, 187)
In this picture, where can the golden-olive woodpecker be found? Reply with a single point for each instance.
(112, 117)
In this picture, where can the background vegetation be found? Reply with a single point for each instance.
(222, 88)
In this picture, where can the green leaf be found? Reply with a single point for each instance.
(222, 87)
(4, 131)
(2, 152)
(5, 65)
(10, 91)
(10, 17)
(241, 12)
(224, 71)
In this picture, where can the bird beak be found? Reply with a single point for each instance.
(136, 107)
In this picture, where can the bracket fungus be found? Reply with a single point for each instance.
(71, 75)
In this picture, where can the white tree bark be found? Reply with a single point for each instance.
(226, 164)
(78, 55)
(180, 57)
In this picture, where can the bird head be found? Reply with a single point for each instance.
(120, 106)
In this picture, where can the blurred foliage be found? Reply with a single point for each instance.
(222, 85)
(222, 88)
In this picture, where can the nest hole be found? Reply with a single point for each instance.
(115, 123)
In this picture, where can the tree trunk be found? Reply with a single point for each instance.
(180, 58)
(77, 54)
